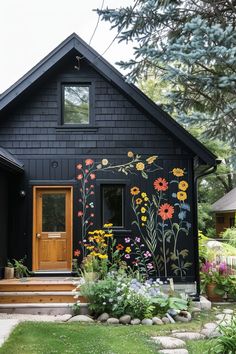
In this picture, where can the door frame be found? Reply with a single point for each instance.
(34, 247)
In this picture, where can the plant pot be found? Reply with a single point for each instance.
(211, 294)
(8, 273)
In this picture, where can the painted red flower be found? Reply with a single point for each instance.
(79, 166)
(92, 176)
(80, 213)
(80, 176)
(76, 253)
(160, 184)
(166, 211)
(119, 247)
(89, 162)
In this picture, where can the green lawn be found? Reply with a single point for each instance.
(49, 338)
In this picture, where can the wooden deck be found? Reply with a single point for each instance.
(38, 290)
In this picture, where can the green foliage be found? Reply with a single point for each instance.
(230, 236)
(20, 269)
(226, 343)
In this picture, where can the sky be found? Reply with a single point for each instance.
(30, 29)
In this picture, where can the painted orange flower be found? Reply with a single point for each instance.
(134, 190)
(138, 201)
(130, 154)
(160, 184)
(76, 253)
(151, 159)
(182, 196)
(183, 185)
(119, 247)
(88, 162)
(92, 176)
(79, 166)
(166, 211)
(178, 172)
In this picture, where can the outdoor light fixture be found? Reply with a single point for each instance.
(22, 193)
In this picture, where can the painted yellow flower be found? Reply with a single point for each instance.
(151, 159)
(90, 247)
(104, 162)
(182, 195)
(183, 185)
(138, 201)
(146, 199)
(130, 154)
(128, 250)
(143, 218)
(143, 210)
(140, 166)
(107, 225)
(143, 194)
(95, 254)
(108, 235)
(90, 238)
(102, 256)
(134, 190)
(178, 172)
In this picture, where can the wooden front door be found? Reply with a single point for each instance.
(52, 229)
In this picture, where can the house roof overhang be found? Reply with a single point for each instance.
(154, 112)
(9, 162)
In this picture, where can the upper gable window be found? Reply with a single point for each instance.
(76, 102)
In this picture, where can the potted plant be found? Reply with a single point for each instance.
(218, 281)
(20, 269)
(9, 271)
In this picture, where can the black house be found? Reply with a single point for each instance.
(81, 147)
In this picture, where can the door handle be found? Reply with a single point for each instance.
(38, 235)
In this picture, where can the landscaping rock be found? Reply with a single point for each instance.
(204, 304)
(81, 318)
(103, 317)
(224, 317)
(188, 335)
(183, 316)
(172, 312)
(165, 320)
(228, 311)
(125, 319)
(157, 321)
(113, 320)
(169, 342)
(170, 318)
(210, 330)
(135, 321)
(147, 322)
(196, 310)
(173, 351)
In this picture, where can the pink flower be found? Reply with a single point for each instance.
(92, 176)
(86, 171)
(80, 176)
(147, 254)
(127, 256)
(88, 162)
(87, 206)
(92, 215)
(79, 166)
(80, 200)
(92, 186)
(127, 239)
(137, 239)
(85, 180)
(91, 223)
(80, 213)
(149, 266)
(92, 193)
(86, 189)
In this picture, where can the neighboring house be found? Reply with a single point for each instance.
(225, 211)
(81, 147)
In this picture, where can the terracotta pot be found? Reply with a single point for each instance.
(211, 294)
(8, 273)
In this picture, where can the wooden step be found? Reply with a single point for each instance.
(39, 297)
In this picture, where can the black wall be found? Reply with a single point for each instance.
(3, 219)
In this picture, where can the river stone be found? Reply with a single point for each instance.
(224, 317)
(147, 322)
(183, 316)
(170, 318)
(125, 319)
(188, 335)
(169, 342)
(228, 311)
(103, 317)
(112, 320)
(173, 351)
(172, 312)
(81, 318)
(196, 310)
(157, 321)
(135, 321)
(204, 304)
(210, 330)
(165, 320)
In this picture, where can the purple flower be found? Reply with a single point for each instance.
(206, 267)
(223, 269)
(127, 239)
(137, 239)
(149, 266)
(147, 254)
(127, 256)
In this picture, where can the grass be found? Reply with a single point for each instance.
(75, 338)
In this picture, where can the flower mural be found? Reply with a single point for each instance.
(159, 217)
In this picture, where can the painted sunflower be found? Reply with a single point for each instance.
(181, 196)
(130, 154)
(166, 211)
(183, 185)
(138, 201)
(160, 184)
(178, 172)
(140, 166)
(135, 191)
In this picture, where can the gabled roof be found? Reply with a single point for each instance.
(9, 162)
(226, 203)
(155, 113)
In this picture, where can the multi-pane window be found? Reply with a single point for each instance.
(76, 104)
(113, 204)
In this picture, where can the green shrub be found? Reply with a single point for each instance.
(226, 343)
(230, 236)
